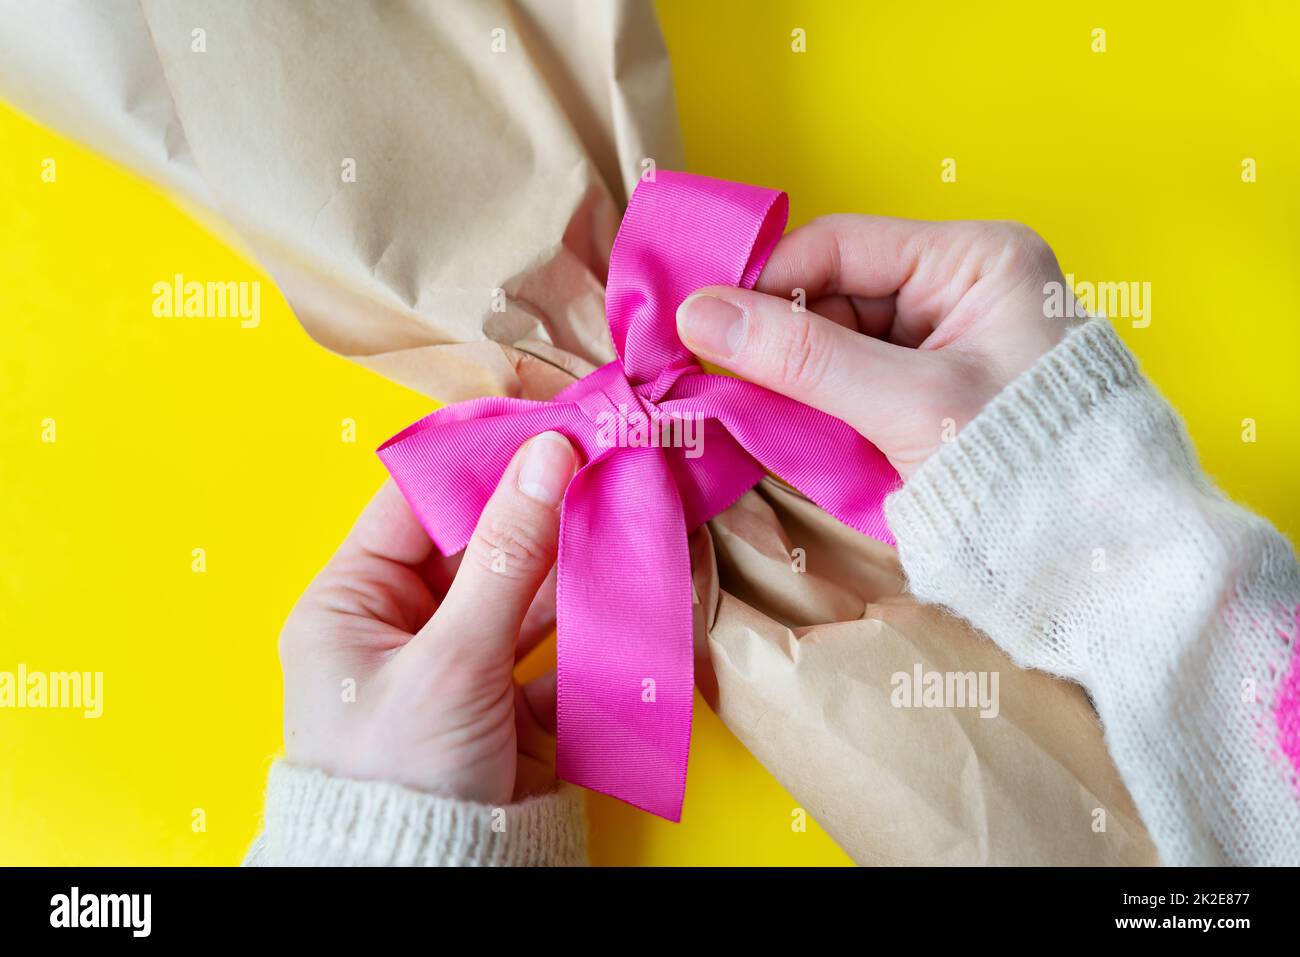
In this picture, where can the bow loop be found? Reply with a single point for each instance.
(682, 232)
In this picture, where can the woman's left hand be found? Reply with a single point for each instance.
(399, 663)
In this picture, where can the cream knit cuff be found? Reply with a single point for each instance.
(1022, 424)
(314, 819)
(1070, 523)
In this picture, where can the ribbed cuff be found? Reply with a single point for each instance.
(315, 819)
(1020, 426)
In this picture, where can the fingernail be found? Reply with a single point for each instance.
(547, 468)
(711, 326)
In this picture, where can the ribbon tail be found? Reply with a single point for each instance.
(624, 662)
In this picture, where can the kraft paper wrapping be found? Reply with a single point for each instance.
(494, 145)
(799, 664)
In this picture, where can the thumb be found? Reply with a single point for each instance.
(797, 353)
(510, 554)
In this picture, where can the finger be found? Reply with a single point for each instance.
(870, 256)
(539, 623)
(799, 354)
(510, 553)
(439, 572)
(867, 258)
(539, 694)
(388, 529)
(535, 736)
(376, 572)
(871, 317)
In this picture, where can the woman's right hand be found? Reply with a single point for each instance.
(910, 327)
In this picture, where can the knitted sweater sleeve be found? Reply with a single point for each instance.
(313, 819)
(1071, 523)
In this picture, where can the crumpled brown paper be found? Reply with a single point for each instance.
(493, 147)
(802, 662)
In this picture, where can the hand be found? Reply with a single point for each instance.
(398, 663)
(910, 328)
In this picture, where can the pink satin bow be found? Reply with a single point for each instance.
(624, 630)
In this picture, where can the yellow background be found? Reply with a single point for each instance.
(173, 435)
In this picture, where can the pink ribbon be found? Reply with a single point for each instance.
(624, 629)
